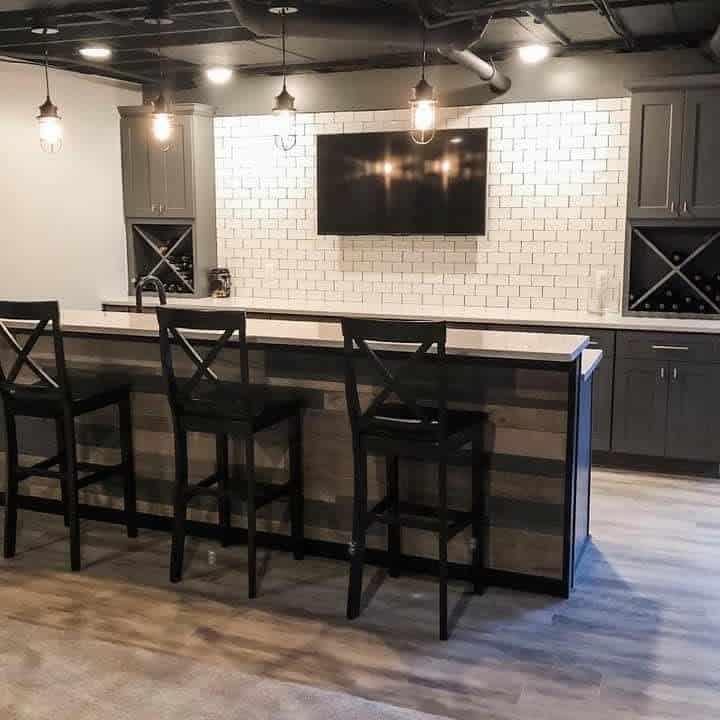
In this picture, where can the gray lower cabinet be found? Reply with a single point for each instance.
(667, 396)
(640, 407)
(693, 412)
(602, 403)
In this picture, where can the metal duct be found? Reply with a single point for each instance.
(497, 81)
(386, 28)
(712, 47)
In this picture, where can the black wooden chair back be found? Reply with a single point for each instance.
(425, 344)
(172, 323)
(23, 377)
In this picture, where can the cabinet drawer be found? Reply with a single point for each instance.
(669, 346)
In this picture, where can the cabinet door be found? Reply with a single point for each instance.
(693, 412)
(640, 408)
(177, 173)
(700, 188)
(602, 404)
(136, 167)
(656, 131)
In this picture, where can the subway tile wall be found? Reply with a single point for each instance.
(557, 180)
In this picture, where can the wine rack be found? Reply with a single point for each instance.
(166, 251)
(673, 271)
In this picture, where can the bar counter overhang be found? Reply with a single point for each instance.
(535, 387)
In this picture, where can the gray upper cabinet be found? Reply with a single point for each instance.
(158, 181)
(700, 185)
(674, 147)
(655, 154)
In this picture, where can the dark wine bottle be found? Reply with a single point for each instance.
(647, 306)
(661, 307)
(698, 278)
(701, 308)
(677, 257)
(669, 294)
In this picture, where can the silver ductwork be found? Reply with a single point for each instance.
(497, 81)
(392, 29)
(712, 47)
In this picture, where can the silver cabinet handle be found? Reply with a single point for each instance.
(675, 373)
(662, 373)
(685, 207)
(672, 207)
(670, 347)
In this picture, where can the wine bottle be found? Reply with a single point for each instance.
(698, 278)
(647, 306)
(661, 307)
(701, 308)
(677, 257)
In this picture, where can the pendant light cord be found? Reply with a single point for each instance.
(283, 51)
(423, 51)
(47, 76)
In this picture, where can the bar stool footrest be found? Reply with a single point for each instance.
(420, 517)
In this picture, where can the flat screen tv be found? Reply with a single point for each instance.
(385, 184)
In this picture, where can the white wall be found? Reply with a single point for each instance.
(61, 216)
(556, 212)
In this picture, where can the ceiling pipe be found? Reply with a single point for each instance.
(712, 46)
(498, 81)
(393, 29)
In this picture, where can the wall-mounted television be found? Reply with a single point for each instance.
(385, 184)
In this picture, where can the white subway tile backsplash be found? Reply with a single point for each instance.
(557, 174)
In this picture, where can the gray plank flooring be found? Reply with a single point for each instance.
(640, 637)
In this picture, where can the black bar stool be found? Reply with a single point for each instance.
(61, 397)
(409, 418)
(204, 403)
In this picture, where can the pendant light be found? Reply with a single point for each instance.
(423, 107)
(284, 107)
(162, 117)
(51, 135)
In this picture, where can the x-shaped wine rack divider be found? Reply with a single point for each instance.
(165, 255)
(676, 269)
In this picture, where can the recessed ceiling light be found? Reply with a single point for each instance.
(96, 52)
(219, 75)
(533, 53)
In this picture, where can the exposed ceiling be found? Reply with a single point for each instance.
(207, 32)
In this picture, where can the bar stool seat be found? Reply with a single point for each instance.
(255, 406)
(203, 402)
(395, 423)
(61, 396)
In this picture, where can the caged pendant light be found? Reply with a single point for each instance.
(51, 132)
(284, 106)
(423, 107)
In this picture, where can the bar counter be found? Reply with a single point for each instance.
(535, 387)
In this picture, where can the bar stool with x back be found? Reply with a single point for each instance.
(203, 402)
(409, 419)
(59, 396)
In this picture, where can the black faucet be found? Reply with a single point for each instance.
(140, 286)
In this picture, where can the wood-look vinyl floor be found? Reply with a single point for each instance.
(640, 637)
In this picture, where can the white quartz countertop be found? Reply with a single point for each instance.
(549, 347)
(494, 316)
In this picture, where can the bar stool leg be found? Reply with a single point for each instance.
(224, 497)
(357, 548)
(12, 487)
(479, 519)
(181, 478)
(128, 463)
(60, 436)
(393, 530)
(297, 502)
(443, 544)
(71, 488)
(251, 518)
